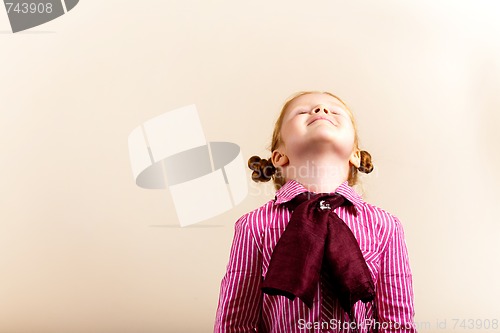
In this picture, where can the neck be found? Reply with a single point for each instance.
(320, 175)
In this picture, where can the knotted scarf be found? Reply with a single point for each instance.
(317, 240)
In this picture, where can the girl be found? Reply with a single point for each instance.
(316, 276)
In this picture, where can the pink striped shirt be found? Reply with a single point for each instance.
(243, 307)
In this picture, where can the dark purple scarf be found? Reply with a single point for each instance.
(316, 240)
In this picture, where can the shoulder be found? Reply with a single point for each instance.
(379, 215)
(371, 216)
(257, 220)
(384, 223)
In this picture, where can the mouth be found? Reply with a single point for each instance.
(320, 118)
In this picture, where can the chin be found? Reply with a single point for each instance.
(324, 136)
(328, 140)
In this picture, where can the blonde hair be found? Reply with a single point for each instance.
(264, 170)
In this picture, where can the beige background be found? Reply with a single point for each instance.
(82, 249)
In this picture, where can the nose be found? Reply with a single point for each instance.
(321, 108)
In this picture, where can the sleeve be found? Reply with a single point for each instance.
(394, 297)
(240, 294)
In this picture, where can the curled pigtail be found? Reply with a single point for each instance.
(366, 164)
(263, 170)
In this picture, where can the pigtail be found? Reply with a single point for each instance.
(366, 164)
(263, 170)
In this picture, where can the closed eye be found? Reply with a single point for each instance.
(301, 111)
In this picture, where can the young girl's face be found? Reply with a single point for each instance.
(317, 118)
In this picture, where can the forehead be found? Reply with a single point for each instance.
(314, 99)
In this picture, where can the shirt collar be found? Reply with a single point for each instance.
(292, 188)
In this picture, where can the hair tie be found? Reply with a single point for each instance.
(366, 164)
(263, 169)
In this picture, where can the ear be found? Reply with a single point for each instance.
(279, 159)
(355, 158)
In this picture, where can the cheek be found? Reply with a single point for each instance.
(350, 137)
(347, 136)
(350, 130)
(288, 131)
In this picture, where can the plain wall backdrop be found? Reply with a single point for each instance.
(83, 249)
